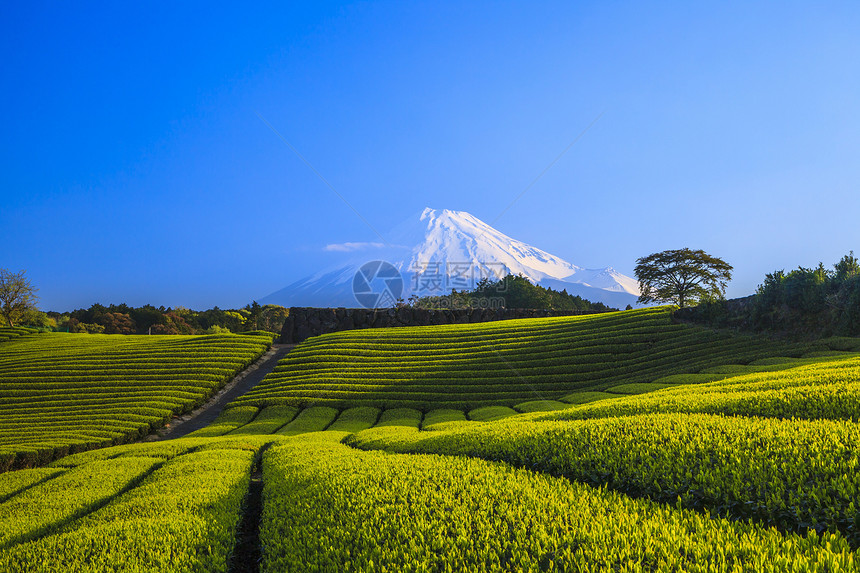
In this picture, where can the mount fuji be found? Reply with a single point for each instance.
(442, 250)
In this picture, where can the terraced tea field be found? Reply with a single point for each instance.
(165, 508)
(619, 442)
(8, 333)
(502, 363)
(62, 393)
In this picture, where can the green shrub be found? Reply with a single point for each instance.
(313, 419)
(789, 473)
(60, 392)
(541, 406)
(194, 501)
(355, 419)
(640, 388)
(491, 413)
(267, 421)
(330, 508)
(400, 417)
(442, 416)
(585, 397)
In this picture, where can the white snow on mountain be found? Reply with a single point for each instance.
(440, 250)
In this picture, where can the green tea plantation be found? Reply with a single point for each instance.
(613, 442)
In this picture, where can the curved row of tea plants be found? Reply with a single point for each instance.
(10, 332)
(816, 388)
(171, 506)
(788, 473)
(501, 363)
(331, 508)
(62, 393)
(175, 506)
(290, 421)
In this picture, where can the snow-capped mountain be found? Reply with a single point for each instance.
(442, 250)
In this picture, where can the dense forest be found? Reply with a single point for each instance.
(512, 291)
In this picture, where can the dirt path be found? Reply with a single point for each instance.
(241, 383)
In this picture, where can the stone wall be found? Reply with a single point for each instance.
(305, 322)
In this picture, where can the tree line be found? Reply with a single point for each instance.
(148, 319)
(814, 301)
(18, 307)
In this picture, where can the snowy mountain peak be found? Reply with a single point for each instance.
(461, 238)
(443, 249)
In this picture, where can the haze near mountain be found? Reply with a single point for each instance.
(437, 251)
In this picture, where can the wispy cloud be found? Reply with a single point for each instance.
(350, 247)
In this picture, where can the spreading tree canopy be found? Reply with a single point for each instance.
(681, 276)
(17, 295)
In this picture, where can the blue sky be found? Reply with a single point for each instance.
(135, 167)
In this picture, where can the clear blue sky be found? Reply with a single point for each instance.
(135, 168)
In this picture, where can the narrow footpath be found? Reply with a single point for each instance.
(241, 383)
(247, 552)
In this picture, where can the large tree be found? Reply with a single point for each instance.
(17, 295)
(681, 276)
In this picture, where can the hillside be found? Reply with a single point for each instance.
(678, 449)
(62, 393)
(501, 363)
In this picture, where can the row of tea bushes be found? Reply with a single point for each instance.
(793, 474)
(182, 516)
(65, 393)
(10, 332)
(331, 508)
(506, 363)
(821, 388)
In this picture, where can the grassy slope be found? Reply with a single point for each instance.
(328, 507)
(500, 363)
(62, 393)
(337, 508)
(815, 388)
(179, 514)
